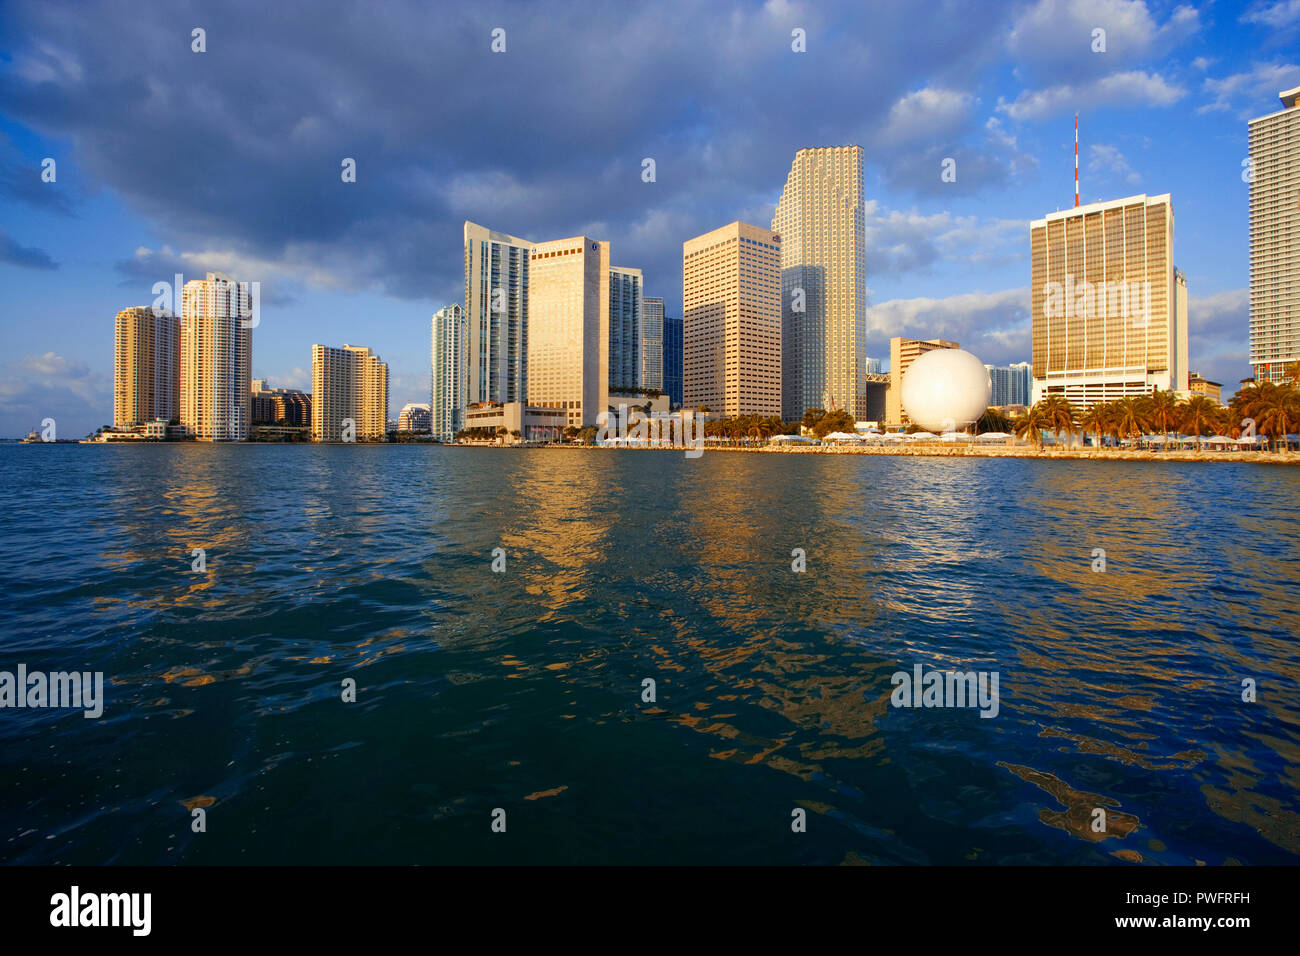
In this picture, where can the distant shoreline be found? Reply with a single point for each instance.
(935, 450)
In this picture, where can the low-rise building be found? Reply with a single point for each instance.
(532, 422)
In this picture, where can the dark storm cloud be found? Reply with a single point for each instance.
(26, 257)
(237, 151)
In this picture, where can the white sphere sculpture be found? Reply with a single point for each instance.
(946, 390)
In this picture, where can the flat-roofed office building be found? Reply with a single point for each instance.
(216, 358)
(1275, 239)
(568, 328)
(1012, 384)
(146, 383)
(821, 219)
(496, 309)
(673, 359)
(731, 324)
(1109, 311)
(348, 383)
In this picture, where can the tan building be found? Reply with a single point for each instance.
(274, 405)
(902, 353)
(531, 422)
(568, 328)
(216, 359)
(348, 383)
(146, 385)
(1275, 239)
(1109, 310)
(1199, 385)
(731, 326)
(821, 219)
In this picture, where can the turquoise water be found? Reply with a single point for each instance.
(522, 690)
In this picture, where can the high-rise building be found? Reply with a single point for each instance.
(731, 321)
(1275, 239)
(874, 366)
(821, 219)
(448, 382)
(568, 327)
(1012, 384)
(673, 359)
(652, 342)
(414, 418)
(146, 384)
(216, 358)
(348, 383)
(496, 309)
(1109, 312)
(902, 353)
(624, 328)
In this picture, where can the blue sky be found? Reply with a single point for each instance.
(174, 161)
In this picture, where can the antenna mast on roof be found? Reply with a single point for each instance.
(1076, 160)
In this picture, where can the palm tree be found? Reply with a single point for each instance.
(1129, 418)
(1031, 424)
(1098, 421)
(1162, 409)
(1199, 417)
(1060, 415)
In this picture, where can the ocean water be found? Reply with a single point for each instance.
(522, 691)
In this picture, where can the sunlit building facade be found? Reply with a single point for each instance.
(625, 307)
(652, 342)
(146, 383)
(350, 383)
(1109, 311)
(1275, 239)
(216, 358)
(448, 376)
(821, 219)
(496, 309)
(731, 323)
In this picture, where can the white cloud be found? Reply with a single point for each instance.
(1105, 159)
(1283, 13)
(927, 113)
(1134, 88)
(995, 326)
(1256, 89)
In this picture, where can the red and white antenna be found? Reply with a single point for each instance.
(1076, 160)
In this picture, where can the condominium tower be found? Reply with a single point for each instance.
(448, 380)
(652, 342)
(624, 328)
(568, 327)
(348, 383)
(821, 220)
(496, 308)
(145, 381)
(1109, 312)
(731, 324)
(216, 358)
(1275, 239)
(1012, 384)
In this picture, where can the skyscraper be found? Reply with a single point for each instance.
(448, 379)
(496, 308)
(731, 331)
(146, 385)
(348, 383)
(673, 359)
(624, 328)
(216, 358)
(1011, 383)
(652, 342)
(1109, 316)
(821, 220)
(1275, 239)
(568, 327)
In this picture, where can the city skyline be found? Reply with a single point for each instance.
(943, 259)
